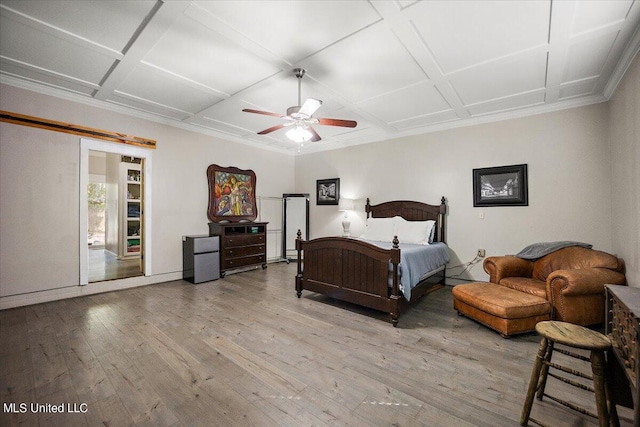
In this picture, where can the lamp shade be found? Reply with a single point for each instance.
(345, 204)
(299, 134)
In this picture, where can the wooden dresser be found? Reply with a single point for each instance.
(242, 244)
(623, 328)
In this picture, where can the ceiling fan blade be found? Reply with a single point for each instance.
(315, 136)
(338, 122)
(266, 113)
(272, 129)
(310, 106)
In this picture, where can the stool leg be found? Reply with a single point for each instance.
(545, 370)
(533, 381)
(598, 365)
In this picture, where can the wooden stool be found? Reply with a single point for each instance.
(574, 336)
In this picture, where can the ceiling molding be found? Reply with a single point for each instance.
(309, 148)
(63, 94)
(398, 68)
(623, 65)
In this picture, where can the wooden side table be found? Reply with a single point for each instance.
(623, 328)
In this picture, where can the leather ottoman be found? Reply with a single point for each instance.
(500, 308)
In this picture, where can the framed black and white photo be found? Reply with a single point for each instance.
(327, 191)
(500, 186)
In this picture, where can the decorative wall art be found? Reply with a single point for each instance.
(500, 186)
(232, 194)
(327, 191)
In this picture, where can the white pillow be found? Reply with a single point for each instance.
(379, 229)
(415, 232)
(432, 234)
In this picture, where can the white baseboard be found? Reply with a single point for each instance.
(90, 289)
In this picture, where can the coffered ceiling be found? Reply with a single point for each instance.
(396, 67)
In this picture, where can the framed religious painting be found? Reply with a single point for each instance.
(232, 194)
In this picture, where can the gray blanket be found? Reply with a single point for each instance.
(538, 250)
(416, 261)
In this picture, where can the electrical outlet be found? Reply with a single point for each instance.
(481, 253)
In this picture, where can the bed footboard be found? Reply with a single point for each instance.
(349, 270)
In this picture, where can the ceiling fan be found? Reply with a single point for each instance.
(301, 117)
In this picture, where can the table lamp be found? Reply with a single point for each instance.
(345, 205)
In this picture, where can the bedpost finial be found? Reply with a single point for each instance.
(396, 242)
(299, 234)
(443, 200)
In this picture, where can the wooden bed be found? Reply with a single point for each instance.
(358, 272)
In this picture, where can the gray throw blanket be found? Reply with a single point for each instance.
(538, 250)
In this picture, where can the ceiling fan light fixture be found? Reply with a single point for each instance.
(301, 116)
(299, 134)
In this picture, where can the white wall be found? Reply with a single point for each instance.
(39, 214)
(581, 170)
(568, 169)
(625, 160)
(97, 163)
(39, 193)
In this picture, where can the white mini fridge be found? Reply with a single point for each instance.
(200, 258)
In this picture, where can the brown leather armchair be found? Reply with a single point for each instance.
(572, 279)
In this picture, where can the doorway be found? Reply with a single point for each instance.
(115, 199)
(114, 192)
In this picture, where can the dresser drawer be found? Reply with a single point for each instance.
(244, 261)
(624, 336)
(241, 251)
(243, 240)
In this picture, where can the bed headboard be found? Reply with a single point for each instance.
(411, 211)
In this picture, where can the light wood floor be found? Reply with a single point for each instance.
(103, 265)
(244, 350)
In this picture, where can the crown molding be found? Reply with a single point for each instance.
(333, 144)
(117, 108)
(623, 65)
(460, 123)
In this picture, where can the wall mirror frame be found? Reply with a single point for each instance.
(295, 216)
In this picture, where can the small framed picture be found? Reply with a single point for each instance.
(328, 191)
(500, 186)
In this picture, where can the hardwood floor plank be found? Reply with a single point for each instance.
(328, 410)
(285, 410)
(136, 395)
(255, 365)
(244, 350)
(67, 417)
(109, 411)
(50, 371)
(237, 407)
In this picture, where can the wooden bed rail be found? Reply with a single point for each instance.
(350, 270)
